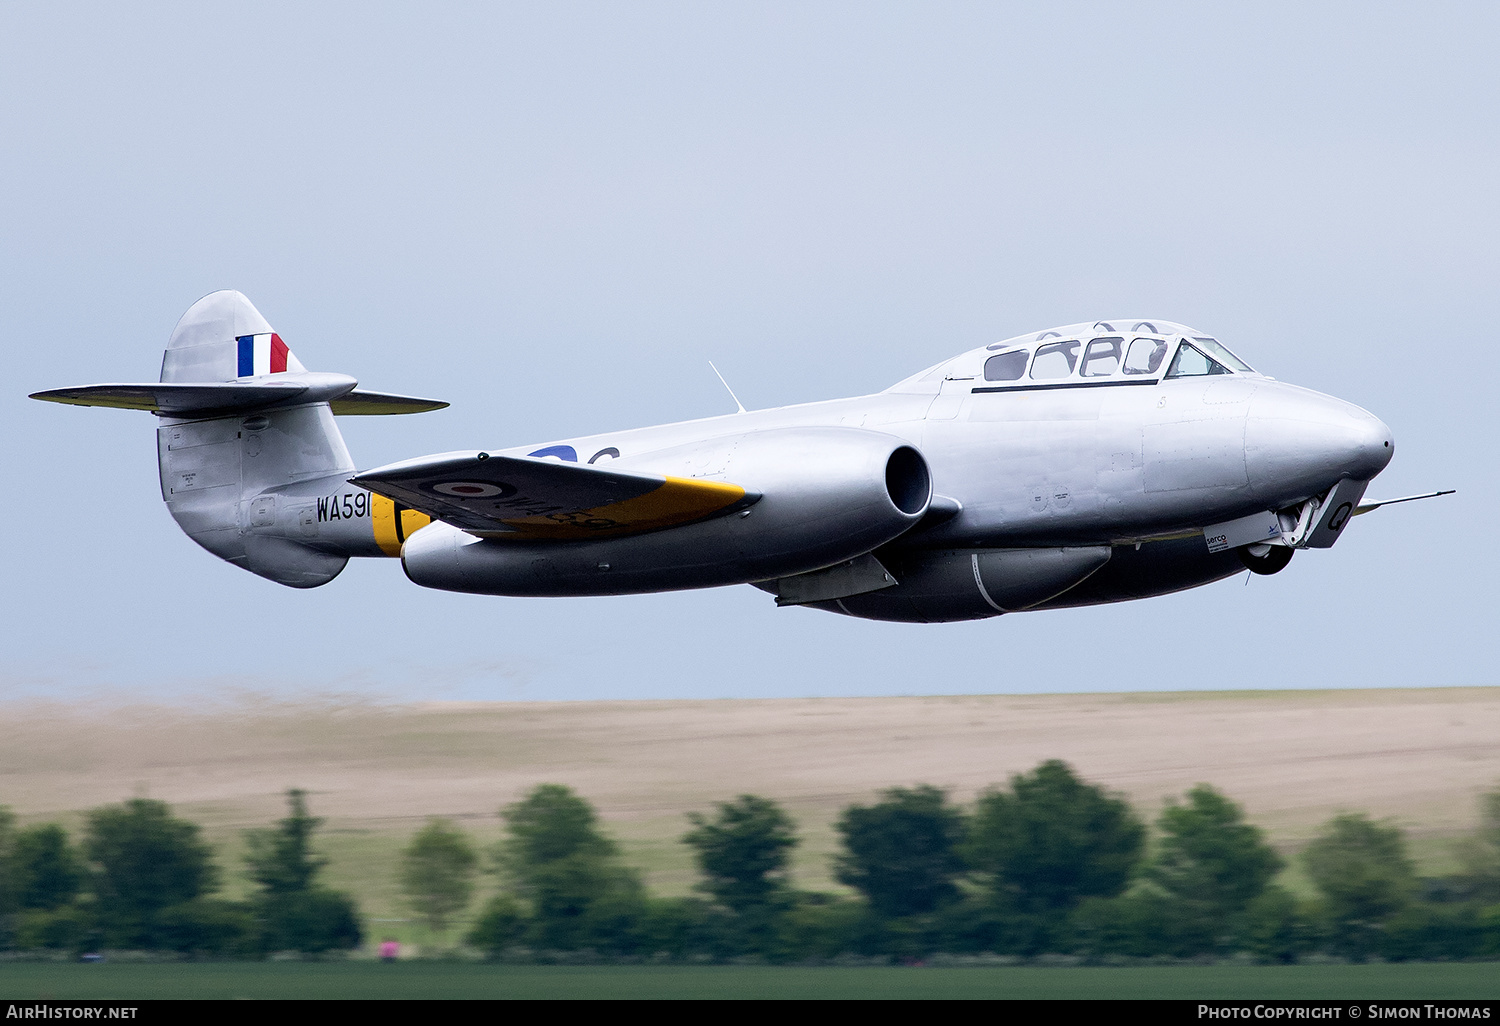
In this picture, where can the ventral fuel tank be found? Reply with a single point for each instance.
(971, 584)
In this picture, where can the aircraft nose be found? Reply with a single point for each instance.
(1299, 442)
(1371, 446)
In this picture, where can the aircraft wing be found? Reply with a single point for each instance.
(531, 499)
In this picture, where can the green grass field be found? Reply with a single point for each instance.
(60, 981)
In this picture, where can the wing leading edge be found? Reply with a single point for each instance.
(522, 498)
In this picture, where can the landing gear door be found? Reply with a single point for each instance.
(1335, 512)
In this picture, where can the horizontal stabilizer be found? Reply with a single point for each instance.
(525, 498)
(360, 403)
(172, 399)
(195, 399)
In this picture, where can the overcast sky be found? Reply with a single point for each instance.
(554, 215)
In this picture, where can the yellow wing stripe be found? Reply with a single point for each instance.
(394, 524)
(677, 500)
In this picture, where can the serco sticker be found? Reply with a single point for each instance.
(471, 489)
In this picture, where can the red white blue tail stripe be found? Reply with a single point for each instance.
(265, 354)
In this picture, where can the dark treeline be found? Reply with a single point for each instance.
(1044, 866)
(145, 880)
(1047, 865)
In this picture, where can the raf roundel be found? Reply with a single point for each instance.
(471, 489)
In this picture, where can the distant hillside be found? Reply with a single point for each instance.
(376, 772)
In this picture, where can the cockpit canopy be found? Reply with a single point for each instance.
(1097, 352)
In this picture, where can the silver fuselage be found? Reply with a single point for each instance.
(1073, 464)
(1044, 494)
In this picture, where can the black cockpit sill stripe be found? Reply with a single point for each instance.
(1063, 384)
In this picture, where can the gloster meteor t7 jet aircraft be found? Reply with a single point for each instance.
(1084, 464)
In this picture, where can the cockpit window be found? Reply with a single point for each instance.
(1056, 360)
(1102, 358)
(1145, 356)
(1006, 366)
(1190, 363)
(1224, 356)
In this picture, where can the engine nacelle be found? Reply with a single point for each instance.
(828, 494)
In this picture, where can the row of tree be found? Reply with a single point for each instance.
(145, 880)
(1047, 864)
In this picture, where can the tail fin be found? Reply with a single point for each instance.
(222, 337)
(225, 477)
(253, 467)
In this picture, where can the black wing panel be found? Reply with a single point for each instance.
(534, 499)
